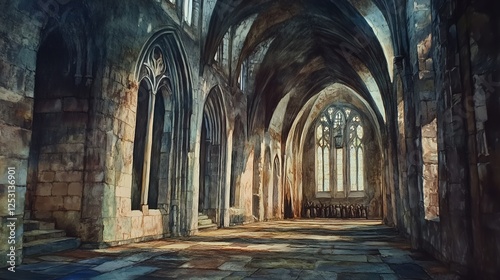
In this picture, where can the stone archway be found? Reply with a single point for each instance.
(160, 165)
(212, 193)
(152, 141)
(56, 166)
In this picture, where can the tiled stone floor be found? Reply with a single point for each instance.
(300, 249)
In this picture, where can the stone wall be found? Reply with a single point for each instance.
(447, 96)
(19, 39)
(68, 126)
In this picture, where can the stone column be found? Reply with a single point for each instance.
(147, 154)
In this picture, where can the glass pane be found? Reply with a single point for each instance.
(319, 132)
(351, 132)
(352, 174)
(188, 9)
(340, 170)
(339, 120)
(360, 131)
(330, 112)
(361, 181)
(326, 169)
(319, 168)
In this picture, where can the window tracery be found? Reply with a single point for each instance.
(339, 136)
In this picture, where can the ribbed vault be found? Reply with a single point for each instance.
(314, 44)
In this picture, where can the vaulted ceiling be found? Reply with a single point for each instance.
(315, 43)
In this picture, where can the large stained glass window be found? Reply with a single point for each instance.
(339, 151)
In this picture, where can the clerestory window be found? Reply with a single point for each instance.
(188, 11)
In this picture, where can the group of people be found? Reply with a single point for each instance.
(342, 211)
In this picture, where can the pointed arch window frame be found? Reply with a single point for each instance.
(336, 120)
(155, 71)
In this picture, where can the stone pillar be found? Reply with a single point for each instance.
(19, 43)
(147, 153)
(227, 181)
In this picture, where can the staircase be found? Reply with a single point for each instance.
(204, 222)
(42, 238)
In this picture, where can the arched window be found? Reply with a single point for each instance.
(153, 129)
(188, 11)
(339, 152)
(356, 155)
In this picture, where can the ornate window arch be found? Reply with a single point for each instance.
(339, 151)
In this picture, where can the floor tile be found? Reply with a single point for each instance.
(290, 249)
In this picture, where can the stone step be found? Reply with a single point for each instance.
(204, 222)
(39, 234)
(207, 227)
(30, 225)
(202, 217)
(50, 245)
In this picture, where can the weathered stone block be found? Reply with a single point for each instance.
(73, 161)
(109, 201)
(124, 180)
(6, 73)
(137, 227)
(72, 203)
(17, 113)
(75, 188)
(150, 226)
(124, 206)
(15, 141)
(49, 203)
(127, 132)
(44, 166)
(109, 229)
(124, 192)
(123, 225)
(60, 189)
(69, 176)
(46, 177)
(44, 189)
(57, 166)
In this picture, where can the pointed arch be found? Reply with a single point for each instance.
(339, 152)
(212, 194)
(276, 185)
(61, 114)
(163, 72)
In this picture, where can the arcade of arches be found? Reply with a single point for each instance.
(129, 121)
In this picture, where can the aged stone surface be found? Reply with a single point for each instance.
(251, 252)
(127, 120)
